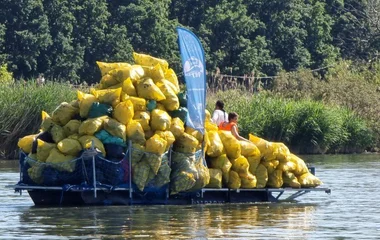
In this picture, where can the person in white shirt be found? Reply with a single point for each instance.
(219, 115)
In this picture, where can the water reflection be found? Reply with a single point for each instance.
(162, 222)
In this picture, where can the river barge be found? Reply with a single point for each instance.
(98, 181)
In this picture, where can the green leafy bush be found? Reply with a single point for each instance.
(5, 76)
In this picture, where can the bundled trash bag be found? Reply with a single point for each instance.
(180, 113)
(184, 172)
(114, 151)
(100, 109)
(26, 143)
(215, 178)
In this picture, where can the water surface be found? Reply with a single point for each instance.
(351, 211)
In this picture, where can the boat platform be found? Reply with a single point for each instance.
(105, 195)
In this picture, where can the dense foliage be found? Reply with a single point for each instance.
(332, 109)
(63, 39)
(305, 126)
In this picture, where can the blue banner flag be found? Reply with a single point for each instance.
(194, 71)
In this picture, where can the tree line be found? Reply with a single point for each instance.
(63, 38)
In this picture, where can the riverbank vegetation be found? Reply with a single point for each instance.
(21, 104)
(311, 68)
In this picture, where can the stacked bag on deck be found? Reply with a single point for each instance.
(140, 102)
(143, 103)
(255, 164)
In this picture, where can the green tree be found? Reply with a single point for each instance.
(150, 30)
(95, 39)
(62, 59)
(3, 55)
(230, 39)
(26, 35)
(319, 41)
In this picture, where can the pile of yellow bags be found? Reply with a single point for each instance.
(255, 164)
(128, 89)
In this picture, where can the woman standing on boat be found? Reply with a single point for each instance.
(231, 125)
(219, 115)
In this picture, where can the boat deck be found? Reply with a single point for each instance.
(124, 195)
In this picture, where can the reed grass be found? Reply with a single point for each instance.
(306, 126)
(21, 104)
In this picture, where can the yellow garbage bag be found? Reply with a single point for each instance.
(140, 174)
(64, 113)
(148, 90)
(163, 175)
(234, 181)
(143, 117)
(36, 173)
(210, 126)
(223, 164)
(181, 182)
(261, 176)
(172, 77)
(287, 166)
(230, 144)
(177, 127)
(186, 144)
(215, 178)
(129, 88)
(124, 112)
(215, 147)
(71, 127)
(254, 162)
(184, 172)
(264, 146)
(249, 149)
(241, 166)
(147, 60)
(281, 151)
(57, 133)
(137, 153)
(203, 175)
(105, 67)
(160, 106)
(154, 72)
(107, 96)
(168, 136)
(156, 145)
(43, 149)
(290, 180)
(208, 115)
(301, 167)
(60, 161)
(108, 80)
(87, 140)
(248, 182)
(195, 133)
(26, 143)
(171, 101)
(91, 126)
(47, 121)
(69, 146)
(115, 128)
(135, 132)
(160, 120)
(139, 104)
(309, 180)
(154, 161)
(117, 75)
(85, 103)
(270, 165)
(275, 179)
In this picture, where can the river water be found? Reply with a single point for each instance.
(351, 211)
